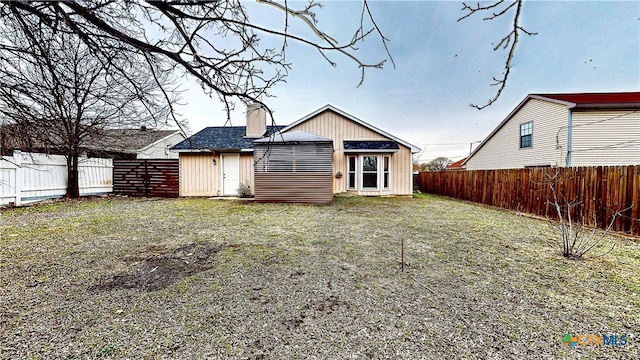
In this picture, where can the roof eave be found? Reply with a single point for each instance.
(208, 150)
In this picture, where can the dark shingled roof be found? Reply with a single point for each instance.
(371, 145)
(220, 138)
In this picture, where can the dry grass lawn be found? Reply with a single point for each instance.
(198, 278)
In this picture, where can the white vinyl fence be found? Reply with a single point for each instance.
(28, 177)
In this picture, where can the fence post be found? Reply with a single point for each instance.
(17, 160)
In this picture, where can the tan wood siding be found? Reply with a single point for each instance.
(198, 175)
(246, 170)
(605, 138)
(336, 127)
(503, 151)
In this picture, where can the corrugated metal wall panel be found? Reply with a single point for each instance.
(294, 172)
(311, 158)
(312, 188)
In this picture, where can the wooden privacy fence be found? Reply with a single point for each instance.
(598, 192)
(146, 177)
(29, 177)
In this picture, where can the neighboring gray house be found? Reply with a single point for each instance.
(586, 129)
(142, 143)
(138, 143)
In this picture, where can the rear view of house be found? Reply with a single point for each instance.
(587, 129)
(364, 160)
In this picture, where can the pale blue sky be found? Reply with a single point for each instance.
(443, 65)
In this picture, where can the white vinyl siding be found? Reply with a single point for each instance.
(502, 150)
(160, 149)
(605, 138)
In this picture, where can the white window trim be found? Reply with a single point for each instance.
(359, 178)
(355, 171)
(520, 136)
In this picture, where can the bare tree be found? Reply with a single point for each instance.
(439, 163)
(56, 94)
(575, 237)
(214, 41)
(494, 10)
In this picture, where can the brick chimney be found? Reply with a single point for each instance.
(256, 121)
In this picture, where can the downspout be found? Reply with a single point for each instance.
(569, 136)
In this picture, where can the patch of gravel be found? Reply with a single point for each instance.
(197, 278)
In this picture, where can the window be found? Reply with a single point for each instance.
(526, 130)
(370, 172)
(351, 173)
(385, 171)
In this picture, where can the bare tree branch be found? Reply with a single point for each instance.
(510, 41)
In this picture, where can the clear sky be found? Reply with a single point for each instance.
(443, 65)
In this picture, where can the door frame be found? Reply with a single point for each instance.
(223, 191)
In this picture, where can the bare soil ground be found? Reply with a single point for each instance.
(198, 278)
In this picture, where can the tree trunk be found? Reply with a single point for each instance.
(73, 185)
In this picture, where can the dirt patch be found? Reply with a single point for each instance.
(159, 267)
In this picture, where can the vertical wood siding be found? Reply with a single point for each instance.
(502, 151)
(334, 126)
(598, 191)
(199, 176)
(605, 138)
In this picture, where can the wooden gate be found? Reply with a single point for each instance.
(146, 177)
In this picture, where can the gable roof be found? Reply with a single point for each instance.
(220, 138)
(456, 165)
(572, 101)
(328, 107)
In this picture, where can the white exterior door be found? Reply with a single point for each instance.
(230, 174)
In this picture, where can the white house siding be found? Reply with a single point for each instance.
(502, 151)
(605, 138)
(160, 149)
(334, 126)
(199, 176)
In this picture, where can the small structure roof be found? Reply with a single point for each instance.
(293, 136)
(373, 145)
